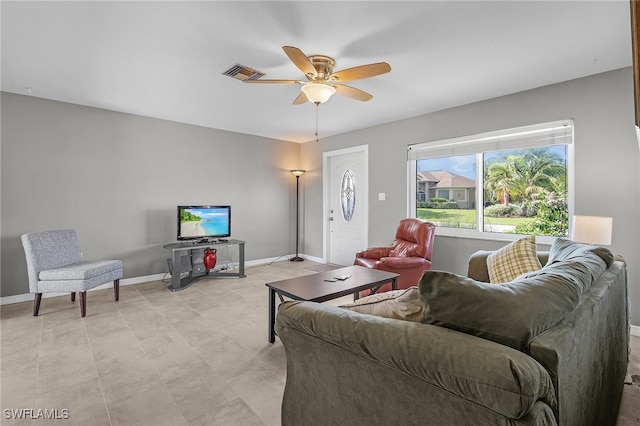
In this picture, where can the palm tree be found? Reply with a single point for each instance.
(498, 179)
(521, 175)
(536, 171)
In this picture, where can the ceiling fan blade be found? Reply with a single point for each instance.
(360, 72)
(302, 98)
(273, 81)
(352, 92)
(300, 60)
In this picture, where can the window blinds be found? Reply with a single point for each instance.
(538, 135)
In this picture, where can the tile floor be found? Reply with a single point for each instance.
(195, 357)
(629, 414)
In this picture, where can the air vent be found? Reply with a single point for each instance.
(241, 72)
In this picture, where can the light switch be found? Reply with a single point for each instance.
(382, 196)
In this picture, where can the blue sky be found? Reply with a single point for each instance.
(464, 165)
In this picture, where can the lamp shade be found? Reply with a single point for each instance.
(318, 93)
(594, 230)
(297, 172)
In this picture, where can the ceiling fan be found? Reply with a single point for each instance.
(322, 82)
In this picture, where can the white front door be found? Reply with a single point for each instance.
(346, 204)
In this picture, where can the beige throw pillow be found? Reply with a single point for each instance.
(399, 304)
(513, 260)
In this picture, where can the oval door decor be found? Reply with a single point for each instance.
(348, 195)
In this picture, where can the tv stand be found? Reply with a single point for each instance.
(185, 248)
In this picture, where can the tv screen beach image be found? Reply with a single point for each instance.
(203, 222)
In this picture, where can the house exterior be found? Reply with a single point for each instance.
(444, 184)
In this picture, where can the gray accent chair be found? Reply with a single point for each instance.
(55, 265)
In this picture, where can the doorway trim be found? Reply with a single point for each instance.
(326, 158)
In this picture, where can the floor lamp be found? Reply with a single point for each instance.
(297, 173)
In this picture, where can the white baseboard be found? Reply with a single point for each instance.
(260, 262)
(27, 297)
(314, 259)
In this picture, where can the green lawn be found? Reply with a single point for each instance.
(465, 218)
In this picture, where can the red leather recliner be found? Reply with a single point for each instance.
(409, 254)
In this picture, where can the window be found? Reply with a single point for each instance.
(514, 181)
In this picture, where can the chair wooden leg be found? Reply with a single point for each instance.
(36, 304)
(116, 289)
(83, 303)
(73, 296)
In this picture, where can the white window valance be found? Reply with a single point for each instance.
(538, 135)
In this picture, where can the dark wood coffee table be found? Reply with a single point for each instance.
(314, 288)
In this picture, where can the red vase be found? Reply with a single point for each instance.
(210, 258)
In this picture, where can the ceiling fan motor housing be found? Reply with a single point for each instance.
(323, 65)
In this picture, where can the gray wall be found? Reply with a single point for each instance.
(117, 179)
(606, 155)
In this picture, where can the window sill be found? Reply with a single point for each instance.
(471, 234)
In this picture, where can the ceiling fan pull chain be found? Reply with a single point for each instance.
(317, 105)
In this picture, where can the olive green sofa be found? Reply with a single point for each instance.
(548, 348)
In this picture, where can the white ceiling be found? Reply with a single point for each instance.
(165, 59)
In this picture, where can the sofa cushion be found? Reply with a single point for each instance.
(513, 260)
(564, 248)
(399, 304)
(593, 256)
(511, 314)
(82, 270)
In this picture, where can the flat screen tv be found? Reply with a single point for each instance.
(204, 222)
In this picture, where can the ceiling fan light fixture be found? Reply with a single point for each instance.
(318, 93)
